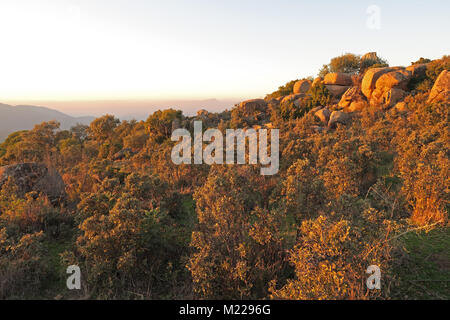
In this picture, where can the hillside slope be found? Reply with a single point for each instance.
(15, 118)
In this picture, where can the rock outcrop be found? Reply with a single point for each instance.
(338, 78)
(394, 79)
(353, 100)
(370, 79)
(323, 114)
(337, 83)
(392, 96)
(441, 88)
(338, 117)
(29, 177)
(292, 97)
(273, 102)
(382, 86)
(302, 86)
(370, 56)
(390, 88)
(336, 90)
(249, 107)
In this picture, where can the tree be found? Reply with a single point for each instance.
(347, 63)
(159, 124)
(102, 128)
(421, 61)
(373, 63)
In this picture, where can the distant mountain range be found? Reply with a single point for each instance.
(15, 118)
(135, 109)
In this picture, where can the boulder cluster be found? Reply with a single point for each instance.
(330, 118)
(337, 83)
(34, 177)
(378, 87)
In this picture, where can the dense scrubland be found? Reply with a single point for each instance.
(363, 180)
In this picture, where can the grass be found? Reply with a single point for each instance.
(55, 284)
(423, 266)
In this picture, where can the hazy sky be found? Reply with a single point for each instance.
(192, 49)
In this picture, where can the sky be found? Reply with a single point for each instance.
(85, 50)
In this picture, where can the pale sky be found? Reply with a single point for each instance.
(198, 49)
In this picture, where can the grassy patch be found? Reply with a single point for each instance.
(423, 265)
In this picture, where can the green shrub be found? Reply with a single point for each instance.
(347, 63)
(434, 69)
(319, 96)
(285, 90)
(373, 63)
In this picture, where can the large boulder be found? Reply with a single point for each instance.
(369, 56)
(292, 97)
(394, 79)
(336, 90)
(29, 177)
(370, 79)
(302, 86)
(338, 117)
(249, 107)
(338, 78)
(353, 100)
(441, 88)
(273, 102)
(392, 96)
(323, 114)
(390, 87)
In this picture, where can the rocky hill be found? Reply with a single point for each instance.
(364, 158)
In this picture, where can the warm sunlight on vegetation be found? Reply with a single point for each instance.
(364, 180)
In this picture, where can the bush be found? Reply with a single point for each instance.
(373, 63)
(331, 256)
(347, 63)
(238, 248)
(434, 69)
(318, 96)
(22, 269)
(282, 91)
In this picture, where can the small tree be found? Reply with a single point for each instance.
(159, 124)
(103, 128)
(346, 63)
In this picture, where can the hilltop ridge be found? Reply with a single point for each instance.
(25, 117)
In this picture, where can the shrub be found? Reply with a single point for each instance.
(22, 269)
(317, 96)
(347, 63)
(238, 247)
(282, 91)
(434, 69)
(331, 256)
(373, 63)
